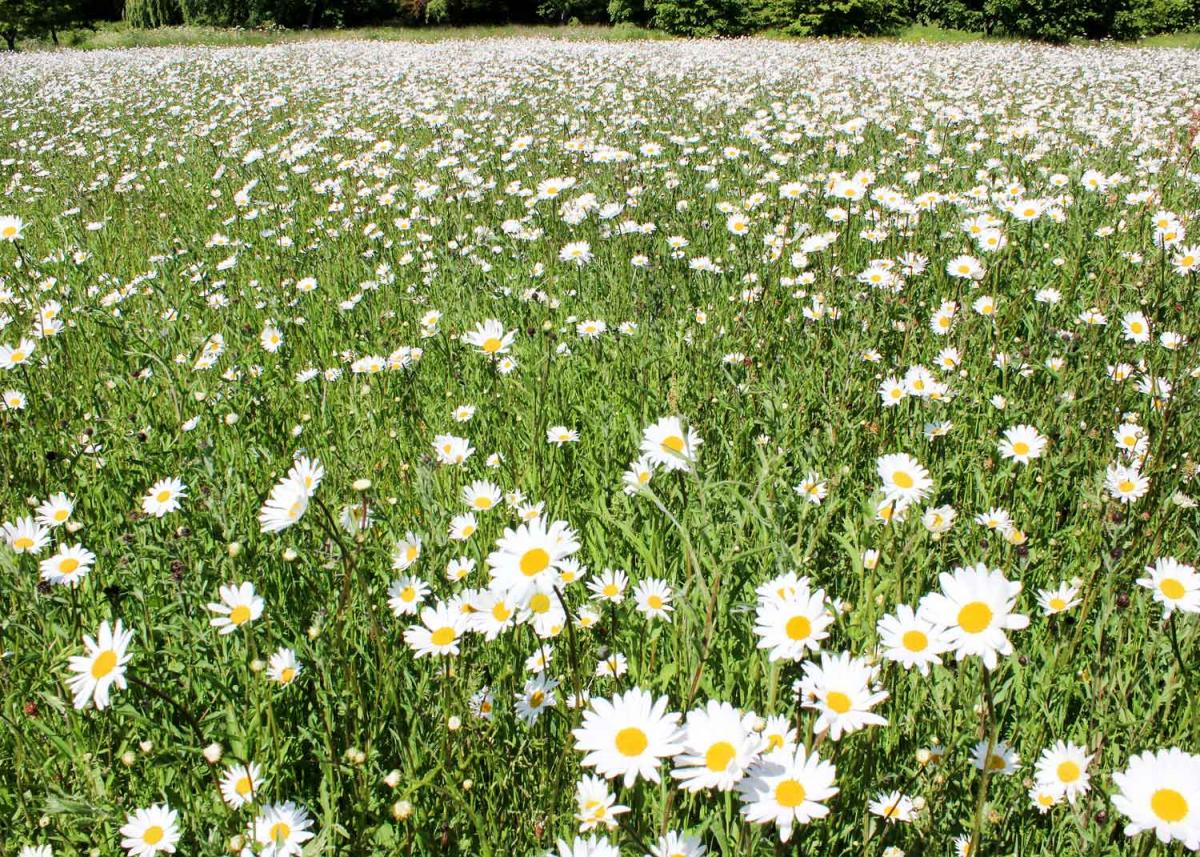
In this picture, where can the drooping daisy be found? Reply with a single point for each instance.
(892, 807)
(1063, 768)
(307, 473)
(1002, 759)
(439, 632)
(976, 608)
(1022, 444)
(163, 497)
(283, 668)
(102, 667)
(668, 444)
(787, 788)
(596, 804)
(719, 745)
(150, 831)
(628, 736)
(281, 830)
(1160, 791)
(238, 606)
(240, 784)
(1175, 585)
(905, 481)
(842, 688)
(285, 505)
(791, 627)
(68, 566)
(911, 641)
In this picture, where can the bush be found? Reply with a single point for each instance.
(846, 17)
(699, 17)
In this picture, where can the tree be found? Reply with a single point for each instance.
(18, 18)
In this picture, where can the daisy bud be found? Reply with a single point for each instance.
(468, 785)
(257, 665)
(213, 752)
(918, 803)
(759, 724)
(74, 526)
(923, 756)
(314, 631)
(402, 810)
(361, 484)
(289, 555)
(233, 549)
(145, 746)
(392, 779)
(231, 418)
(128, 759)
(236, 844)
(453, 724)
(199, 395)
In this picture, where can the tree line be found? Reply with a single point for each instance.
(1048, 20)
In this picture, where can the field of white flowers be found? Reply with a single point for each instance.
(519, 447)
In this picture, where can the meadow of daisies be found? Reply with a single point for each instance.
(518, 447)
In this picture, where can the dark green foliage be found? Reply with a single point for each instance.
(845, 17)
(629, 12)
(700, 17)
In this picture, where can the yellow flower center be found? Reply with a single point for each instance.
(1171, 588)
(500, 611)
(10, 231)
(68, 565)
(1057, 604)
(483, 502)
(286, 675)
(610, 590)
(239, 615)
(442, 636)
(22, 543)
(243, 786)
(411, 553)
(1068, 772)
(631, 741)
(902, 480)
(280, 831)
(163, 496)
(655, 602)
(18, 356)
(153, 835)
(799, 628)
(719, 756)
(975, 617)
(105, 663)
(1169, 805)
(674, 443)
(539, 603)
(1020, 448)
(789, 794)
(61, 514)
(536, 698)
(838, 701)
(534, 561)
(491, 345)
(915, 641)
(995, 762)
(1125, 486)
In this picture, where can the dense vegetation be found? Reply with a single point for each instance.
(1048, 20)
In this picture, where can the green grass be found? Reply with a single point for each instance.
(773, 229)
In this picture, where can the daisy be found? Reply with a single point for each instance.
(1125, 483)
(527, 558)
(719, 745)
(911, 641)
(609, 586)
(596, 804)
(238, 606)
(285, 505)
(1175, 585)
(283, 668)
(812, 488)
(481, 495)
(843, 689)
(439, 631)
(306, 473)
(653, 599)
(628, 736)
(1001, 760)
(163, 497)
(68, 566)
(281, 830)
(536, 697)
(451, 449)
(26, 536)
(786, 788)
(1053, 601)
(975, 606)
(1160, 791)
(1063, 769)
(12, 356)
(55, 511)
(406, 552)
(778, 733)
(790, 628)
(1045, 797)
(672, 844)
(558, 435)
(462, 527)
(893, 807)
(490, 338)
(1135, 327)
(150, 831)
(492, 613)
(11, 227)
(638, 476)
(240, 784)
(1022, 444)
(668, 444)
(36, 851)
(102, 667)
(939, 519)
(904, 479)
(590, 847)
